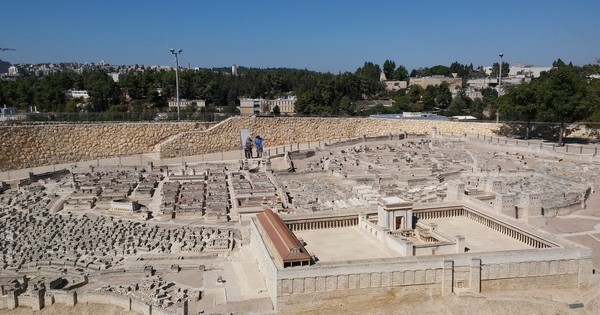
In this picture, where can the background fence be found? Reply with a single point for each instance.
(82, 117)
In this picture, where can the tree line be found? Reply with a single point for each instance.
(149, 90)
(564, 94)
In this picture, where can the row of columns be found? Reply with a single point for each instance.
(506, 230)
(484, 221)
(317, 225)
(427, 215)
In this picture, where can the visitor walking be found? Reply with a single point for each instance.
(258, 141)
(248, 147)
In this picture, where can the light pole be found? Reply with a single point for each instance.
(499, 84)
(176, 53)
(500, 73)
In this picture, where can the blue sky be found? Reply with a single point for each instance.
(321, 35)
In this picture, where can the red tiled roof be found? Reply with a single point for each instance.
(286, 243)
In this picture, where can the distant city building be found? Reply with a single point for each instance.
(234, 70)
(391, 85)
(395, 85)
(519, 69)
(361, 105)
(527, 70)
(8, 113)
(424, 82)
(411, 115)
(13, 71)
(470, 92)
(75, 93)
(183, 103)
(4, 66)
(464, 117)
(482, 83)
(257, 106)
(115, 76)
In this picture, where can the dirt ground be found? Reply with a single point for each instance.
(497, 303)
(542, 302)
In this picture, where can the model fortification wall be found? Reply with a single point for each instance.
(40, 299)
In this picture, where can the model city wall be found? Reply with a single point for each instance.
(40, 145)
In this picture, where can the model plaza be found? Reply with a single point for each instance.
(418, 217)
(345, 244)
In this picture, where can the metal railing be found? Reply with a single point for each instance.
(87, 117)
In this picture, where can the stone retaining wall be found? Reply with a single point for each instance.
(32, 146)
(278, 131)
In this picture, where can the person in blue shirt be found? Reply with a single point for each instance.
(258, 141)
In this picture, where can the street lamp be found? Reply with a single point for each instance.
(500, 73)
(499, 84)
(176, 53)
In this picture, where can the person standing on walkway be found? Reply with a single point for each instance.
(258, 141)
(248, 147)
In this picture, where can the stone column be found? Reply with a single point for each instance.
(447, 277)
(12, 301)
(460, 243)
(585, 268)
(476, 275)
(433, 133)
(39, 295)
(408, 248)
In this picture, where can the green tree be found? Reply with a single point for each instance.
(561, 94)
(414, 93)
(429, 97)
(308, 101)
(496, 69)
(276, 110)
(71, 106)
(593, 100)
(476, 108)
(459, 106)
(558, 63)
(346, 106)
(103, 91)
(438, 70)
(520, 103)
(400, 74)
(444, 96)
(368, 75)
(389, 67)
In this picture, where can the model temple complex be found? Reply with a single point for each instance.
(394, 215)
